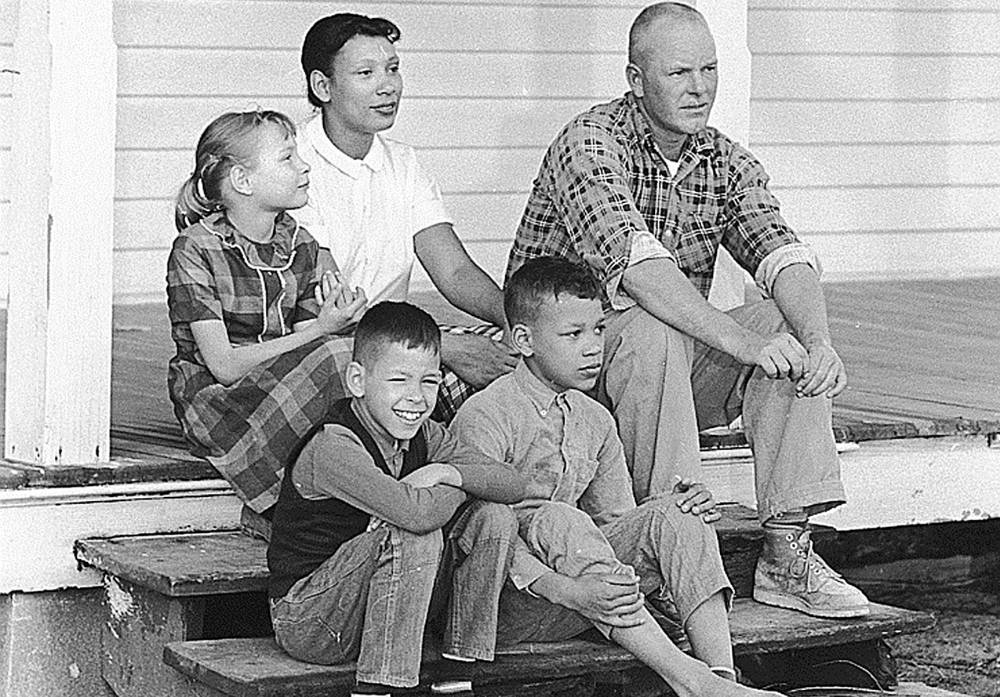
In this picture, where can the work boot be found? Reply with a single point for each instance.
(791, 575)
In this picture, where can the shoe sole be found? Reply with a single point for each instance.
(791, 602)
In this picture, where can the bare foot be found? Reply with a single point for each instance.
(712, 685)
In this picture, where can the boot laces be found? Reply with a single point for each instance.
(816, 570)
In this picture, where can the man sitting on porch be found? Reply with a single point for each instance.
(644, 192)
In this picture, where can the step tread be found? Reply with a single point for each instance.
(211, 563)
(258, 668)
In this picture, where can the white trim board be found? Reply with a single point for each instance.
(894, 482)
(40, 526)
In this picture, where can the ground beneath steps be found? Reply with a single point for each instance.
(962, 653)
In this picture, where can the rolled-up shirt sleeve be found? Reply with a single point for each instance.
(781, 258)
(755, 228)
(590, 192)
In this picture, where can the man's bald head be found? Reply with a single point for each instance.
(642, 37)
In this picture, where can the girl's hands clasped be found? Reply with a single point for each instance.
(340, 308)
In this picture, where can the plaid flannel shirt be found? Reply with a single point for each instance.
(604, 196)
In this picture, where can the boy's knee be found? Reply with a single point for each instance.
(559, 512)
(492, 520)
(417, 547)
(665, 517)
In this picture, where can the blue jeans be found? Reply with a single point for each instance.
(675, 555)
(370, 601)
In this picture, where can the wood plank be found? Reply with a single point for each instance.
(785, 122)
(570, 71)
(899, 164)
(425, 26)
(58, 361)
(181, 565)
(176, 123)
(903, 255)
(853, 30)
(832, 77)
(243, 667)
(201, 564)
(890, 208)
(880, 5)
(140, 622)
(157, 174)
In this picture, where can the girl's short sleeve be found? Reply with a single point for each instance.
(192, 292)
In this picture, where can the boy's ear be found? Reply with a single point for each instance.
(239, 179)
(521, 339)
(320, 85)
(354, 377)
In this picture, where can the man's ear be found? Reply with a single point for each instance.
(633, 73)
(239, 179)
(354, 377)
(319, 83)
(521, 339)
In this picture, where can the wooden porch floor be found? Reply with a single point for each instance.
(923, 358)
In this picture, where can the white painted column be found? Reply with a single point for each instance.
(58, 374)
(731, 115)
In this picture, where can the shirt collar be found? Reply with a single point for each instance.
(374, 160)
(388, 446)
(282, 244)
(538, 393)
(700, 143)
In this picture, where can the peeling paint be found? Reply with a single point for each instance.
(120, 602)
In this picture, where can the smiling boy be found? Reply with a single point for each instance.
(586, 554)
(357, 540)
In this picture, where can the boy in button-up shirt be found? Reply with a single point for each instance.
(587, 554)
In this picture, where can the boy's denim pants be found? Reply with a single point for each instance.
(369, 602)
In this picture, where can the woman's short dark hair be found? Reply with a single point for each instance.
(327, 36)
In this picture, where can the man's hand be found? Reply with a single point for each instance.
(779, 355)
(824, 372)
(478, 360)
(613, 599)
(433, 474)
(695, 498)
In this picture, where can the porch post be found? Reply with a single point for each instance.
(731, 115)
(58, 374)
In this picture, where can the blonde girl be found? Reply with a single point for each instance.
(255, 367)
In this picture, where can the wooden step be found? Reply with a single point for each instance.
(215, 563)
(258, 668)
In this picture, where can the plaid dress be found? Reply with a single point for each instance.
(247, 430)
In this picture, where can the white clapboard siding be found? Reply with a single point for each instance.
(876, 119)
(881, 130)
(487, 85)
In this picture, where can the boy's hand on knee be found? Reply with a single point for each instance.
(695, 498)
(612, 599)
